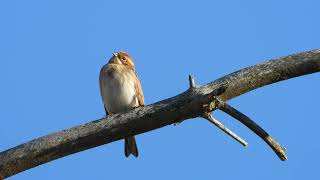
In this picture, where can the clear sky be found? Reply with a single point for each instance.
(51, 53)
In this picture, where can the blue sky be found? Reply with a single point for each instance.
(51, 53)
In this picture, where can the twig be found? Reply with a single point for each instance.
(209, 117)
(276, 147)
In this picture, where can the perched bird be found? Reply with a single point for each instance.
(121, 90)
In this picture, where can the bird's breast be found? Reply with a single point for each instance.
(119, 91)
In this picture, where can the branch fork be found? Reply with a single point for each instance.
(217, 103)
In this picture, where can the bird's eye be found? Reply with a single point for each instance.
(123, 58)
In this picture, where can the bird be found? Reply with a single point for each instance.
(121, 91)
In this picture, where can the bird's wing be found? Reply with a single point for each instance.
(101, 76)
(138, 89)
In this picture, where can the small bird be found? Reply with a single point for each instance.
(121, 91)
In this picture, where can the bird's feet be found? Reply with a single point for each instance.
(137, 107)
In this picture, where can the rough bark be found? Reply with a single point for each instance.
(189, 104)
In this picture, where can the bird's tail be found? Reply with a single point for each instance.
(130, 146)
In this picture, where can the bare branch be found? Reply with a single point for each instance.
(279, 150)
(179, 108)
(209, 117)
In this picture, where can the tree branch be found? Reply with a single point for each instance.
(279, 150)
(184, 106)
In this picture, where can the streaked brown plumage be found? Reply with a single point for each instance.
(121, 90)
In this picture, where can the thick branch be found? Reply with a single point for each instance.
(184, 106)
(266, 73)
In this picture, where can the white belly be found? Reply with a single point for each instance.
(118, 93)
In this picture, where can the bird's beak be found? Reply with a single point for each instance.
(115, 54)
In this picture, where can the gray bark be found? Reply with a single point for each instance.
(189, 104)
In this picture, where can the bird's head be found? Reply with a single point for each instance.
(122, 58)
